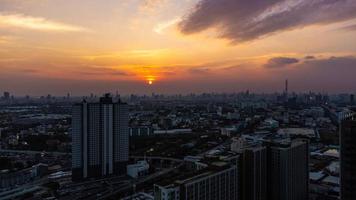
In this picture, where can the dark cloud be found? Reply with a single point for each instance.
(309, 57)
(280, 62)
(329, 74)
(199, 71)
(234, 67)
(94, 71)
(244, 20)
(334, 68)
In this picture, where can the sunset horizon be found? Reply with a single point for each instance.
(170, 47)
(178, 99)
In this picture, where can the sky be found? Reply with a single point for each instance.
(176, 46)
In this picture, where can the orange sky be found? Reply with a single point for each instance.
(59, 46)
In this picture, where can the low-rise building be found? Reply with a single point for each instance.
(139, 169)
(217, 181)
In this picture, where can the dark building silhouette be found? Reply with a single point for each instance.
(6, 95)
(348, 159)
(253, 173)
(352, 99)
(100, 138)
(288, 170)
(218, 181)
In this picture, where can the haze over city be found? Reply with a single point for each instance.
(177, 99)
(176, 46)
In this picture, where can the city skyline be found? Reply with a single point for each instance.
(212, 146)
(171, 47)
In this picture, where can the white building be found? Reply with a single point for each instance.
(139, 169)
(169, 192)
(271, 123)
(227, 131)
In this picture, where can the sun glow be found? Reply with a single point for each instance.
(150, 79)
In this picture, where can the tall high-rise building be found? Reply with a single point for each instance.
(348, 159)
(352, 99)
(253, 173)
(100, 138)
(287, 170)
(6, 95)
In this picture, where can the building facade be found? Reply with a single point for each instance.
(288, 170)
(254, 173)
(100, 138)
(348, 159)
(219, 184)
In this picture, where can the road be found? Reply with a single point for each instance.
(28, 187)
(32, 152)
(221, 145)
(115, 185)
(157, 158)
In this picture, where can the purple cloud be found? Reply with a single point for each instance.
(245, 20)
(199, 71)
(350, 27)
(280, 62)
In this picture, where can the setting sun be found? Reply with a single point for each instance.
(177, 46)
(150, 79)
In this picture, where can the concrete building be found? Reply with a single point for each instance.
(139, 196)
(237, 144)
(14, 179)
(100, 138)
(218, 181)
(141, 131)
(297, 132)
(348, 159)
(139, 169)
(167, 192)
(271, 123)
(253, 173)
(253, 168)
(287, 169)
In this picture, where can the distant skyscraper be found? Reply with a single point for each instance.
(348, 159)
(288, 170)
(254, 174)
(285, 92)
(6, 95)
(100, 138)
(352, 99)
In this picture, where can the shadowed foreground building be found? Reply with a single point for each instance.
(219, 180)
(288, 170)
(348, 159)
(100, 138)
(254, 173)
